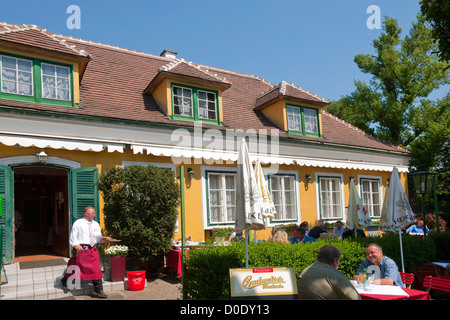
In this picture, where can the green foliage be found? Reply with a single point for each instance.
(437, 12)
(207, 269)
(141, 210)
(394, 106)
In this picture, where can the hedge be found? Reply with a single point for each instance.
(207, 269)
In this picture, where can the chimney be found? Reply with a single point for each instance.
(169, 54)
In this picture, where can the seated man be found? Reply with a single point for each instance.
(300, 237)
(416, 228)
(322, 280)
(386, 269)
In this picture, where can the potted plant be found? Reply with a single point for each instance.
(117, 258)
(221, 233)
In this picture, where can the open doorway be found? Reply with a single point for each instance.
(41, 212)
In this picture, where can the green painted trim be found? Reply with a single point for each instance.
(302, 119)
(37, 83)
(195, 112)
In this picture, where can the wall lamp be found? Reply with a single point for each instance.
(191, 173)
(42, 156)
(309, 178)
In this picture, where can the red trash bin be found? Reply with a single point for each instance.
(136, 280)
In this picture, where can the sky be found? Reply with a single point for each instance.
(309, 43)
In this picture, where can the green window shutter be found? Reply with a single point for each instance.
(83, 192)
(7, 216)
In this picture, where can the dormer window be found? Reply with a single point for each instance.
(302, 120)
(55, 82)
(17, 76)
(36, 80)
(194, 103)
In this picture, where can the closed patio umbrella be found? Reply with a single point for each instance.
(396, 213)
(269, 209)
(357, 217)
(249, 204)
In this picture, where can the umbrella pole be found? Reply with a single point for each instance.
(246, 247)
(401, 248)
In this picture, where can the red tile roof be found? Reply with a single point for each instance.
(115, 79)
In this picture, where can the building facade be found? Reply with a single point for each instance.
(70, 108)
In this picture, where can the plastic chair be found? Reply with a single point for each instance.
(420, 272)
(436, 283)
(407, 278)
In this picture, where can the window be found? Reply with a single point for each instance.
(221, 197)
(371, 195)
(302, 120)
(17, 76)
(34, 80)
(194, 103)
(182, 101)
(330, 197)
(55, 82)
(283, 193)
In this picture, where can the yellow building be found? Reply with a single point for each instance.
(70, 108)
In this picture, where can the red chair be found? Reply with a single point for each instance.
(407, 278)
(437, 284)
(420, 272)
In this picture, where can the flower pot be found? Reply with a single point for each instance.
(117, 267)
(219, 240)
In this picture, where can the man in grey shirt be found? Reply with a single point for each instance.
(322, 280)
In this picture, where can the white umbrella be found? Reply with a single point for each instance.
(249, 205)
(396, 213)
(357, 217)
(269, 209)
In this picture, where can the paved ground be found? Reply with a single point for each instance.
(162, 288)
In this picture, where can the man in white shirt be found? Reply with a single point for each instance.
(85, 263)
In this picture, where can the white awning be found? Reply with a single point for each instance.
(179, 153)
(58, 143)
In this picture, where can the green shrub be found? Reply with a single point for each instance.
(141, 210)
(207, 273)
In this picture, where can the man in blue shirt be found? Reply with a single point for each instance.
(300, 237)
(416, 228)
(386, 270)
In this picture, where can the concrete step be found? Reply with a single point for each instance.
(45, 284)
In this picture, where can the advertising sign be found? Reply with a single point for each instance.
(263, 283)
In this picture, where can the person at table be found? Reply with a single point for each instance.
(305, 225)
(317, 230)
(323, 281)
(386, 267)
(300, 237)
(416, 228)
(338, 231)
(280, 236)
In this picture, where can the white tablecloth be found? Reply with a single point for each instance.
(383, 289)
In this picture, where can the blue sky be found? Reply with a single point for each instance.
(309, 43)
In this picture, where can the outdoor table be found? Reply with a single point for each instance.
(384, 292)
(174, 261)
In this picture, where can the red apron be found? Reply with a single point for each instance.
(85, 266)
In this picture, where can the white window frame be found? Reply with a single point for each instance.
(369, 206)
(17, 76)
(207, 106)
(323, 175)
(289, 111)
(56, 82)
(182, 97)
(281, 215)
(205, 170)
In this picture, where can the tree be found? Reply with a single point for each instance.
(437, 12)
(140, 206)
(395, 105)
